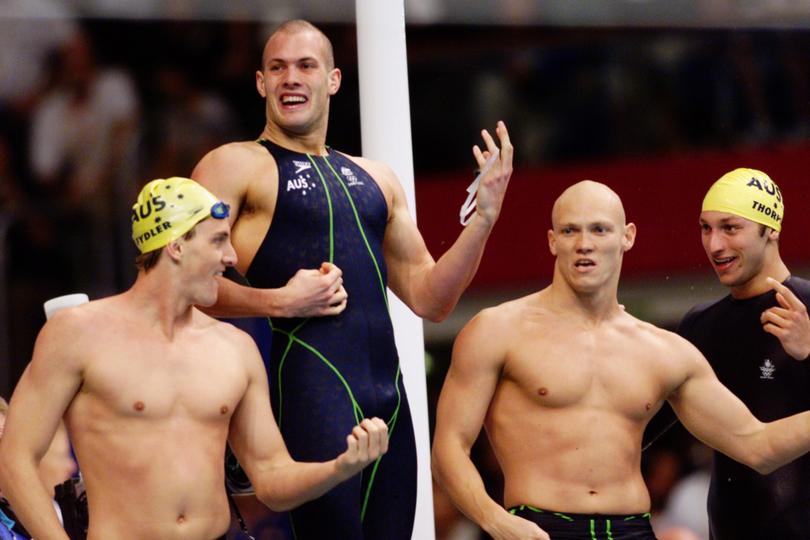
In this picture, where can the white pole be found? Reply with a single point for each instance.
(385, 122)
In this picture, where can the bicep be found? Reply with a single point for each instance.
(404, 249)
(710, 411)
(469, 386)
(54, 371)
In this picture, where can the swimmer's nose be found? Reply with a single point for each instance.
(229, 258)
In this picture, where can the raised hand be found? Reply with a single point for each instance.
(492, 188)
(788, 321)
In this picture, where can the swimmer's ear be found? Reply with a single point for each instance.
(174, 250)
(629, 236)
(335, 76)
(773, 235)
(552, 243)
(260, 84)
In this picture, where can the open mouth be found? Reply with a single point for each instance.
(584, 263)
(722, 263)
(292, 100)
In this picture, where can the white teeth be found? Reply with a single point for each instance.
(293, 99)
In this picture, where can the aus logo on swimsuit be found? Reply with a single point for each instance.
(351, 178)
(767, 369)
(301, 183)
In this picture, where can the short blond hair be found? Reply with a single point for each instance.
(300, 25)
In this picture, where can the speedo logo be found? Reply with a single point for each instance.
(351, 178)
(301, 166)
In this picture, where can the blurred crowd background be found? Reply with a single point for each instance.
(658, 99)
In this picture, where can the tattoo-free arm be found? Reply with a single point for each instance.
(712, 413)
(282, 483)
(432, 288)
(468, 389)
(32, 420)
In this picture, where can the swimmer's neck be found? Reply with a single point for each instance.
(163, 306)
(312, 142)
(592, 307)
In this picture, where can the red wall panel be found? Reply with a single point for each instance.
(662, 196)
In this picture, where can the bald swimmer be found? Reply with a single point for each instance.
(568, 386)
(151, 388)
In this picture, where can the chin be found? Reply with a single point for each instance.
(729, 280)
(208, 298)
(586, 286)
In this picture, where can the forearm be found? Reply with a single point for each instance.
(454, 470)
(33, 506)
(285, 487)
(235, 300)
(445, 281)
(782, 441)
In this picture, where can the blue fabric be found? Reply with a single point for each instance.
(328, 372)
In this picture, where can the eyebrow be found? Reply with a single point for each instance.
(293, 61)
(588, 224)
(724, 221)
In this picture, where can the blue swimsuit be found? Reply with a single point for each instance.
(328, 373)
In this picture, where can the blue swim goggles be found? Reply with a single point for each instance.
(220, 210)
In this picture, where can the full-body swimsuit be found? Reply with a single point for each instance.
(328, 373)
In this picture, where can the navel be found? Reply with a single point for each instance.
(181, 519)
(593, 492)
(138, 406)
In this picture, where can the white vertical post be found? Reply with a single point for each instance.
(386, 132)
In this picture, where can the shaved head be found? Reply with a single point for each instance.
(587, 197)
(299, 26)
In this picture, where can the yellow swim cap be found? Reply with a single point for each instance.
(167, 209)
(747, 193)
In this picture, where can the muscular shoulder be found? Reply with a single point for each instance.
(71, 333)
(231, 168)
(383, 175)
(235, 154)
(489, 335)
(665, 347)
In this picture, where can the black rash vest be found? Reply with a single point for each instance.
(743, 504)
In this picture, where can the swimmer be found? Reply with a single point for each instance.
(565, 381)
(753, 338)
(300, 205)
(151, 388)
